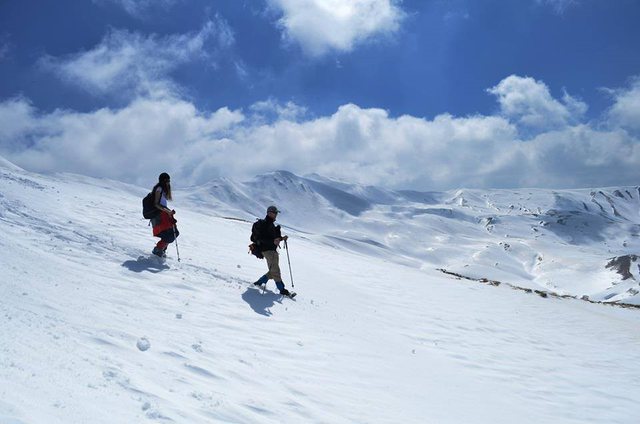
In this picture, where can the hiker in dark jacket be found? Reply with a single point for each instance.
(164, 224)
(269, 238)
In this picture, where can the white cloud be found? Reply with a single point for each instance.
(124, 144)
(354, 144)
(559, 6)
(271, 110)
(133, 64)
(581, 156)
(530, 104)
(320, 26)
(139, 7)
(18, 121)
(625, 111)
(4, 50)
(6, 46)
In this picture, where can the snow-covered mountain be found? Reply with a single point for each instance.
(534, 239)
(392, 322)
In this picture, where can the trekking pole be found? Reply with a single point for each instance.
(175, 238)
(286, 247)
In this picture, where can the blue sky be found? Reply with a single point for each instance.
(412, 94)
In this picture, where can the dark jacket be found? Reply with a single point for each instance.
(268, 232)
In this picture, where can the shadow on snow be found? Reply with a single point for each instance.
(261, 302)
(144, 263)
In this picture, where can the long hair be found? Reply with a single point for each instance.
(164, 181)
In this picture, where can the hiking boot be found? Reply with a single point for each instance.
(158, 252)
(285, 292)
(262, 281)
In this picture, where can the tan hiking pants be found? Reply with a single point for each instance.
(273, 262)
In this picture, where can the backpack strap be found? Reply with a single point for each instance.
(155, 187)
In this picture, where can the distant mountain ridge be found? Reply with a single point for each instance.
(556, 240)
(530, 237)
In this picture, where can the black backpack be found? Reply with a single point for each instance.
(254, 247)
(149, 210)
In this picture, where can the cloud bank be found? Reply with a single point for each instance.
(368, 146)
(321, 26)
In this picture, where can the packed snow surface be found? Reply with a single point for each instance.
(96, 330)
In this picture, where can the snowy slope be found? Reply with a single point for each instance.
(376, 335)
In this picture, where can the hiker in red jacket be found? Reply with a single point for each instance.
(164, 224)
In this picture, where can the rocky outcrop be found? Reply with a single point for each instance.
(622, 265)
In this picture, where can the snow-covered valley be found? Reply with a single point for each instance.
(95, 330)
